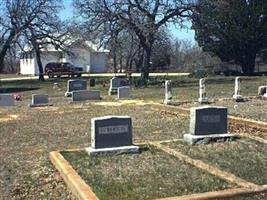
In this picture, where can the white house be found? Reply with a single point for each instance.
(83, 54)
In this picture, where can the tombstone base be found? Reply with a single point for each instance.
(167, 101)
(203, 100)
(113, 91)
(113, 150)
(40, 105)
(238, 98)
(205, 139)
(68, 94)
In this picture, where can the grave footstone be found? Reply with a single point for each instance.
(40, 100)
(7, 100)
(237, 94)
(202, 91)
(207, 122)
(111, 134)
(75, 85)
(84, 95)
(123, 92)
(168, 92)
(262, 90)
(115, 83)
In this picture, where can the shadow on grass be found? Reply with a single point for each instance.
(16, 89)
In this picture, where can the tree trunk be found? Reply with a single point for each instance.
(4, 49)
(146, 63)
(39, 61)
(248, 65)
(2, 64)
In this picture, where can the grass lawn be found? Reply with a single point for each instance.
(29, 134)
(149, 175)
(244, 158)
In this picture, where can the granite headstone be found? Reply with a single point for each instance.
(83, 95)
(7, 100)
(111, 134)
(115, 83)
(75, 85)
(123, 92)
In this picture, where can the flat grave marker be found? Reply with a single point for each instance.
(123, 92)
(7, 100)
(84, 95)
(40, 100)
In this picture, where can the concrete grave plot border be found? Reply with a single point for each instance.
(83, 191)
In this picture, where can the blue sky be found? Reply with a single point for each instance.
(183, 34)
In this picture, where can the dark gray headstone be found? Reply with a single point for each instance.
(115, 83)
(7, 100)
(111, 131)
(208, 120)
(39, 99)
(84, 95)
(75, 85)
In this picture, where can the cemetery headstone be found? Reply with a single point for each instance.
(40, 100)
(262, 90)
(265, 95)
(111, 134)
(123, 92)
(92, 82)
(115, 83)
(202, 91)
(7, 100)
(237, 95)
(75, 85)
(207, 123)
(83, 95)
(168, 92)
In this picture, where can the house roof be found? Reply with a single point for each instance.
(68, 42)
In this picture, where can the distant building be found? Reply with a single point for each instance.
(80, 53)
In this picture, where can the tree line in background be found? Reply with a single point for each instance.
(135, 31)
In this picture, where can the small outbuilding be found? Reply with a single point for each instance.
(80, 53)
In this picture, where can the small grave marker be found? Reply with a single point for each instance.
(7, 100)
(207, 123)
(84, 95)
(237, 95)
(75, 85)
(262, 90)
(111, 134)
(123, 92)
(202, 91)
(40, 100)
(168, 92)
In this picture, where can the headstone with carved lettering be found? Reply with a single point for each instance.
(237, 95)
(202, 91)
(75, 85)
(111, 134)
(7, 100)
(208, 123)
(168, 92)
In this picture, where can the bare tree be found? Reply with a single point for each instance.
(143, 17)
(19, 16)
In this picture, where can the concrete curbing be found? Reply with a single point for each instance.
(223, 194)
(84, 192)
(78, 187)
